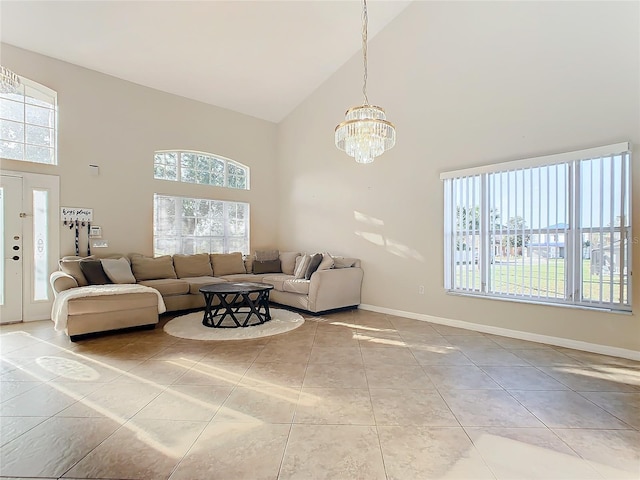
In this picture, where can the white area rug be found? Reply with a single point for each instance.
(190, 326)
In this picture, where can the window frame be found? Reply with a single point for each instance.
(180, 176)
(43, 94)
(573, 232)
(227, 237)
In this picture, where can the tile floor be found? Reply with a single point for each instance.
(352, 395)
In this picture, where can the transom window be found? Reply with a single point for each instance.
(202, 168)
(553, 229)
(199, 225)
(28, 124)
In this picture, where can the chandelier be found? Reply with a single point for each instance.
(9, 81)
(365, 133)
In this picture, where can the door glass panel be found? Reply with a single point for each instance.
(40, 245)
(2, 246)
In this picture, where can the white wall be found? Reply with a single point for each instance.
(466, 83)
(118, 125)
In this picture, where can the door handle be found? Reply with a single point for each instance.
(16, 257)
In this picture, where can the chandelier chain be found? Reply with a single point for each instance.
(365, 22)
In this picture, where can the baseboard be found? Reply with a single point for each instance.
(505, 332)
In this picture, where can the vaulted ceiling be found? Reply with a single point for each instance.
(261, 58)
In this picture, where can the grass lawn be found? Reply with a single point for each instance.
(538, 278)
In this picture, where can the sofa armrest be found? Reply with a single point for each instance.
(335, 288)
(61, 281)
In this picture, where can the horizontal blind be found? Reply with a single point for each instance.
(555, 159)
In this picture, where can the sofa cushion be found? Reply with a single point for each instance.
(288, 262)
(277, 280)
(242, 277)
(118, 270)
(152, 268)
(168, 286)
(196, 283)
(227, 263)
(112, 303)
(93, 272)
(267, 255)
(326, 263)
(314, 263)
(302, 263)
(196, 265)
(71, 266)
(344, 262)
(270, 266)
(298, 285)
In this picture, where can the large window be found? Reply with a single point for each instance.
(202, 168)
(553, 229)
(198, 225)
(28, 124)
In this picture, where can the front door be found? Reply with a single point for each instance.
(30, 244)
(11, 246)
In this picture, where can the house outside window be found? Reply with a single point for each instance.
(199, 167)
(28, 124)
(199, 225)
(554, 229)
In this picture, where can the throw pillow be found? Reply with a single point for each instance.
(313, 265)
(93, 272)
(326, 263)
(227, 263)
(248, 263)
(288, 262)
(272, 266)
(267, 255)
(71, 266)
(118, 270)
(150, 268)
(302, 263)
(196, 265)
(344, 262)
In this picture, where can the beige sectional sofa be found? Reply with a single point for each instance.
(335, 283)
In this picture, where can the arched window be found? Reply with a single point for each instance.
(28, 124)
(198, 167)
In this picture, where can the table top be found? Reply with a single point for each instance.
(238, 287)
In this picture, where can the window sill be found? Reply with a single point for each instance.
(534, 302)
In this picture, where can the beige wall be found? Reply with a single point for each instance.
(466, 84)
(118, 125)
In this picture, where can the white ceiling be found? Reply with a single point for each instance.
(261, 58)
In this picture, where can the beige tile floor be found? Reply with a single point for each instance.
(352, 395)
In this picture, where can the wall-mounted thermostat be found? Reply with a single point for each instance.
(95, 231)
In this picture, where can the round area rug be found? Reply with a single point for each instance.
(190, 326)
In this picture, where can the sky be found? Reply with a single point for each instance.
(540, 195)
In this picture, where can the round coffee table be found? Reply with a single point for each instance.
(236, 298)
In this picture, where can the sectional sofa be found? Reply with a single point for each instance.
(100, 294)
